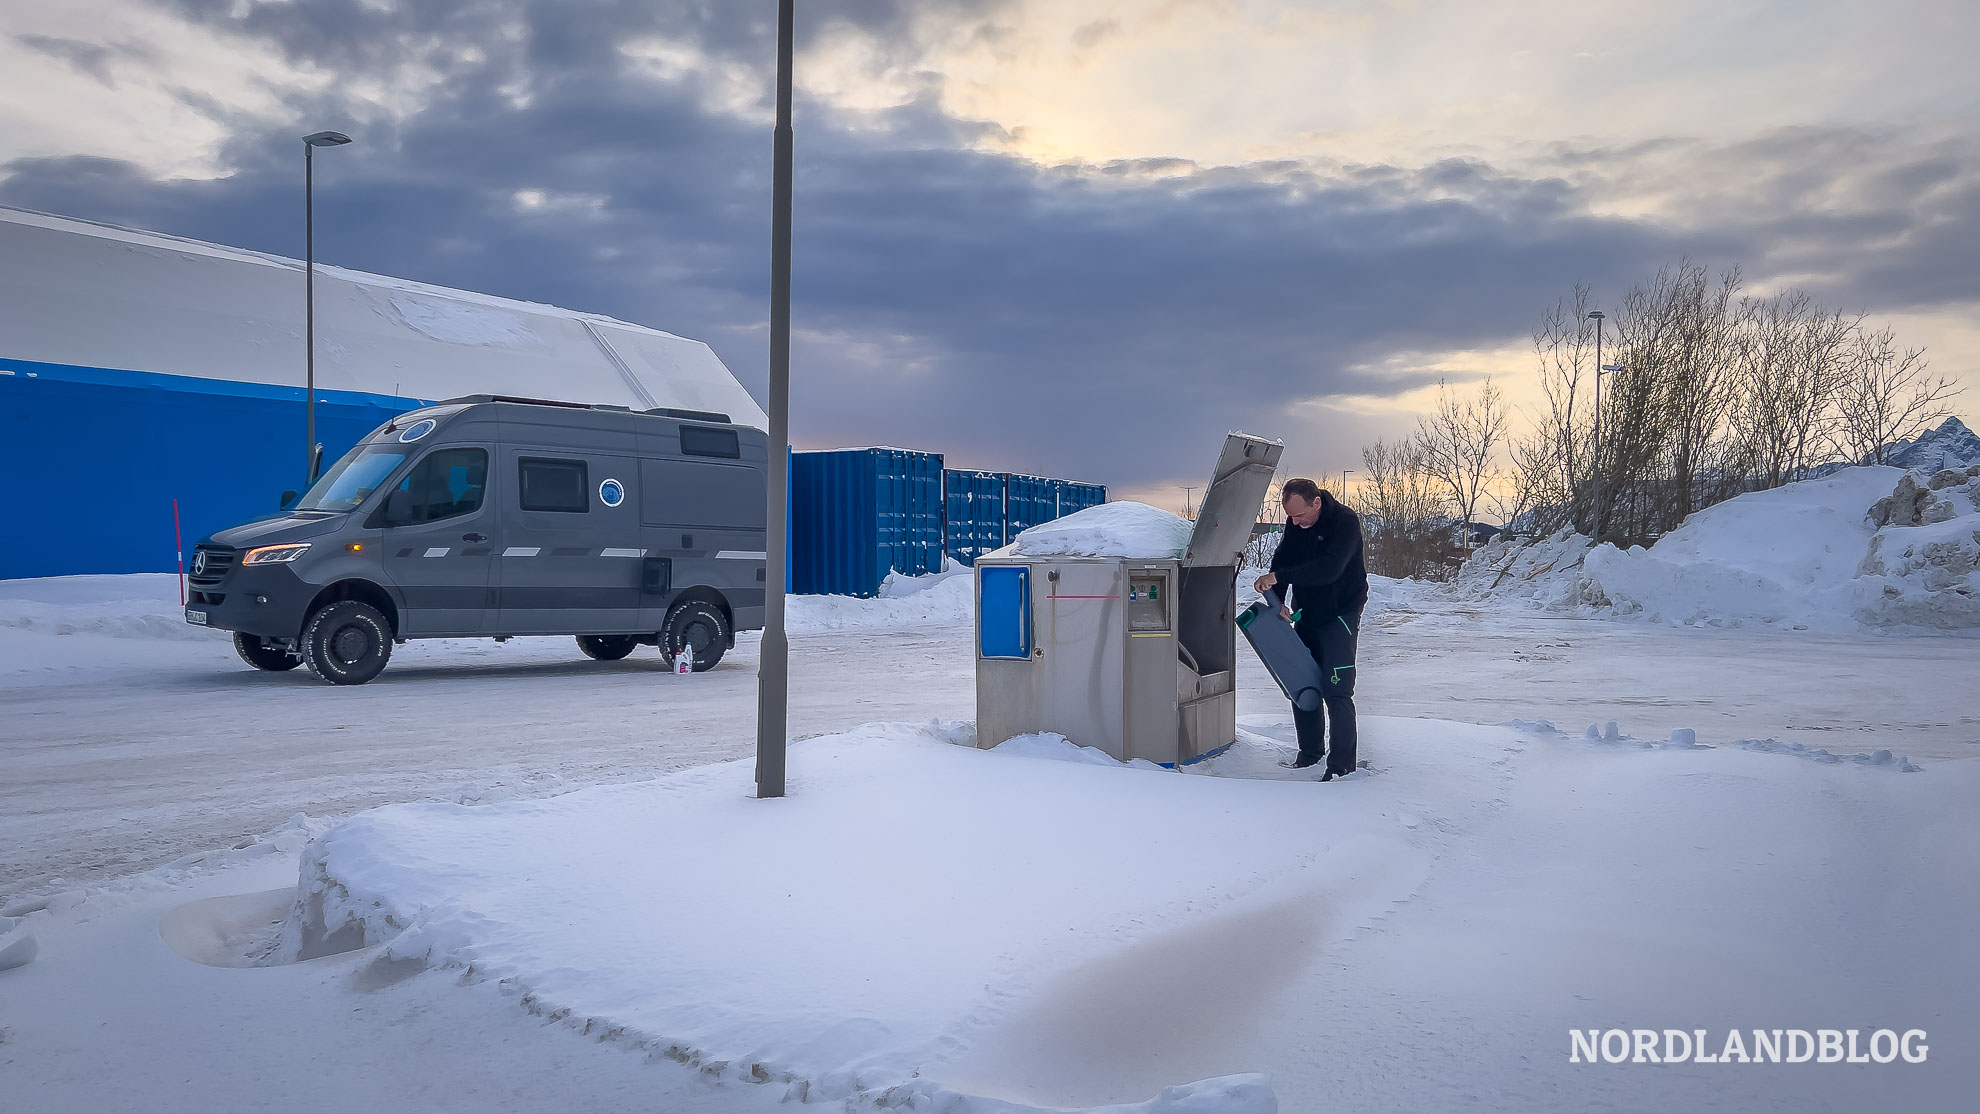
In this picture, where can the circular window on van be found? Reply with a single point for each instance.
(611, 493)
(418, 429)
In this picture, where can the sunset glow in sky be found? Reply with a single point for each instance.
(1074, 237)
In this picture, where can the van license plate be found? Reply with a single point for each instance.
(197, 618)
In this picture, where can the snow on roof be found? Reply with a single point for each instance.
(84, 293)
(1133, 530)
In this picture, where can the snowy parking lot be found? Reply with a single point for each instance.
(136, 740)
(1417, 937)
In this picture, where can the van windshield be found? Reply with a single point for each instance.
(351, 479)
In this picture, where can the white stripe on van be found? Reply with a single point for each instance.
(740, 555)
(622, 552)
(522, 551)
(436, 553)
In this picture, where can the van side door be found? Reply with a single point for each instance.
(435, 542)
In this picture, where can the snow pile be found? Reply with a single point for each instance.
(1927, 574)
(1804, 555)
(1057, 748)
(137, 605)
(1126, 529)
(1548, 572)
(943, 599)
(875, 935)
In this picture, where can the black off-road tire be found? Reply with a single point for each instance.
(264, 655)
(701, 623)
(347, 643)
(607, 647)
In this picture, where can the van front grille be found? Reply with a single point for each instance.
(211, 564)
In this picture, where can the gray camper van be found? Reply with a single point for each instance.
(490, 516)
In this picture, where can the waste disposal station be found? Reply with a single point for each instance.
(1130, 653)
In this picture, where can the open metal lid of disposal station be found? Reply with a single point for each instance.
(1231, 503)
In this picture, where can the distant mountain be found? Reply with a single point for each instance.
(1952, 445)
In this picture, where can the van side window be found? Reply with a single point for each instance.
(443, 484)
(553, 485)
(701, 441)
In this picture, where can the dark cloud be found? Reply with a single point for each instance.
(1106, 322)
(90, 58)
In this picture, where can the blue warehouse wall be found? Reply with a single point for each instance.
(93, 457)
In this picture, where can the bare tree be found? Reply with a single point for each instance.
(1459, 444)
(1885, 395)
(1791, 365)
(1403, 513)
(1554, 461)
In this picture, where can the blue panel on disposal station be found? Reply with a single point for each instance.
(1005, 613)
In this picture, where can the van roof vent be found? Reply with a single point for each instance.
(540, 402)
(690, 415)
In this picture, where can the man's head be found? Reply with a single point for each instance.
(1302, 501)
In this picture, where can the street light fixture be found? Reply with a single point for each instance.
(310, 143)
(1596, 517)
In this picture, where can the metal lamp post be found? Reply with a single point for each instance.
(310, 143)
(1344, 475)
(773, 668)
(1595, 516)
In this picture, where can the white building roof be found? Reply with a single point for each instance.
(82, 293)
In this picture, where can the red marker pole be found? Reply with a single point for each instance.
(179, 550)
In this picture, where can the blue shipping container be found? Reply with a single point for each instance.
(973, 522)
(1075, 496)
(99, 455)
(858, 514)
(1029, 500)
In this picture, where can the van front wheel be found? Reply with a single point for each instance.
(347, 643)
(699, 623)
(606, 647)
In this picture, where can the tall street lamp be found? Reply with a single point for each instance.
(1596, 517)
(310, 143)
(773, 671)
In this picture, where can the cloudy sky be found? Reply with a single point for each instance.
(1075, 237)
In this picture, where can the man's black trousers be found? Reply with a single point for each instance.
(1331, 639)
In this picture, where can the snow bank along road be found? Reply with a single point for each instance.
(129, 740)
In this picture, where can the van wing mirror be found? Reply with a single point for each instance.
(288, 499)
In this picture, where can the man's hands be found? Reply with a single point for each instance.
(1268, 582)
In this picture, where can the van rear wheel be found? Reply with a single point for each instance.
(607, 647)
(264, 654)
(701, 624)
(347, 642)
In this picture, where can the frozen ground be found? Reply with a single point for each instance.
(137, 740)
(1551, 881)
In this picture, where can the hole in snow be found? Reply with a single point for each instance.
(234, 931)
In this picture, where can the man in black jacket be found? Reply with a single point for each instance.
(1319, 571)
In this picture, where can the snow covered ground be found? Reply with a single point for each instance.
(582, 909)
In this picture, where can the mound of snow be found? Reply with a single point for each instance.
(943, 599)
(134, 605)
(1133, 530)
(1805, 555)
(870, 936)
(1057, 748)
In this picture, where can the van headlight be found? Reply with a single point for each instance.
(275, 554)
